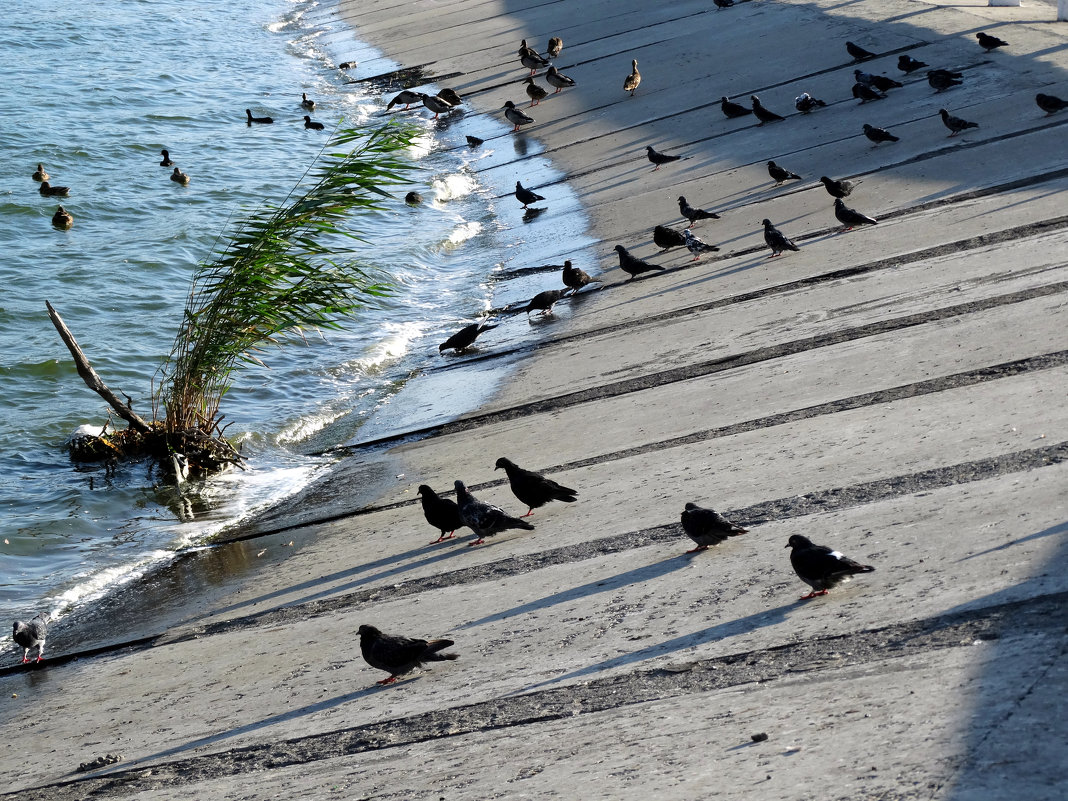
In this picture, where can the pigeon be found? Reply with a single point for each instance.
(543, 302)
(166, 160)
(988, 42)
(841, 188)
(407, 97)
(632, 80)
(722, 4)
(864, 93)
(532, 488)
(41, 175)
(695, 245)
(707, 527)
(399, 655)
(658, 158)
(908, 64)
(483, 518)
(515, 116)
(554, 77)
(574, 278)
(763, 114)
(535, 92)
(850, 218)
(955, 124)
(525, 196)
(451, 97)
(306, 103)
(62, 219)
(31, 635)
(780, 174)
(347, 65)
(47, 190)
(667, 238)
(858, 53)
(940, 80)
(1048, 103)
(776, 239)
(435, 104)
(465, 337)
(257, 120)
(692, 214)
(805, 103)
(632, 264)
(442, 513)
(310, 125)
(474, 141)
(878, 82)
(532, 61)
(180, 177)
(556, 44)
(733, 110)
(878, 135)
(820, 567)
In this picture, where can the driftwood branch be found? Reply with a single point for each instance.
(90, 377)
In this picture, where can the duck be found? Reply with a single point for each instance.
(305, 103)
(556, 44)
(406, 96)
(180, 177)
(260, 120)
(451, 97)
(535, 92)
(554, 77)
(62, 219)
(515, 116)
(635, 78)
(312, 126)
(166, 161)
(532, 61)
(47, 190)
(40, 175)
(435, 104)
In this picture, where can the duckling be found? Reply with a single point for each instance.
(312, 126)
(180, 177)
(635, 78)
(47, 190)
(40, 175)
(62, 219)
(305, 103)
(535, 92)
(260, 120)
(166, 158)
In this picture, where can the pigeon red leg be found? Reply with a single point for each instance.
(530, 511)
(813, 594)
(479, 541)
(698, 548)
(387, 680)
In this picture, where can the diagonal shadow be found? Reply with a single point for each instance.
(1060, 528)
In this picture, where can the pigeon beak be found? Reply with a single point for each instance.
(787, 545)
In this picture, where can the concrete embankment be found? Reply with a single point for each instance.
(896, 391)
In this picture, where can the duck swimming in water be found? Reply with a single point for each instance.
(40, 175)
(180, 177)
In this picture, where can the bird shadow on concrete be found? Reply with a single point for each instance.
(720, 631)
(638, 574)
(1060, 528)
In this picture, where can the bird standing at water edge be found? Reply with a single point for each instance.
(634, 79)
(534, 489)
(525, 196)
(451, 96)
(465, 337)
(543, 302)
(399, 655)
(574, 278)
(31, 635)
(707, 527)
(435, 104)
(515, 116)
(820, 567)
(407, 97)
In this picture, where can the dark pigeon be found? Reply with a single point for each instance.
(465, 337)
(692, 214)
(442, 513)
(533, 489)
(841, 188)
(474, 141)
(632, 264)
(31, 635)
(399, 655)
(878, 135)
(543, 302)
(707, 527)
(805, 103)
(1050, 104)
(776, 239)
(696, 246)
(483, 518)
(864, 93)
(722, 4)
(733, 110)
(574, 278)
(763, 114)
(780, 174)
(667, 238)
(658, 158)
(908, 64)
(525, 196)
(820, 567)
(858, 53)
(988, 42)
(940, 80)
(878, 82)
(955, 124)
(850, 218)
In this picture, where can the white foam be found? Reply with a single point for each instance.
(464, 232)
(454, 186)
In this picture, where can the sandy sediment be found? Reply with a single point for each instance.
(895, 391)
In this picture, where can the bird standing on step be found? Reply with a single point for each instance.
(955, 124)
(632, 80)
(525, 196)
(658, 158)
(465, 337)
(31, 635)
(399, 655)
(534, 92)
(858, 53)
(841, 188)
(534, 489)
(763, 114)
(707, 527)
(908, 64)
(820, 567)
(878, 135)
(850, 218)
(1048, 103)
(940, 80)
(988, 42)
(695, 245)
(574, 278)
(776, 239)
(515, 116)
(667, 238)
(780, 174)
(442, 513)
(632, 265)
(692, 214)
(733, 110)
(483, 518)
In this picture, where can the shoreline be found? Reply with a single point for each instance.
(892, 391)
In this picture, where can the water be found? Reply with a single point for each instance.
(94, 97)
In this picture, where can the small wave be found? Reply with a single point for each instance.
(95, 585)
(464, 232)
(453, 187)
